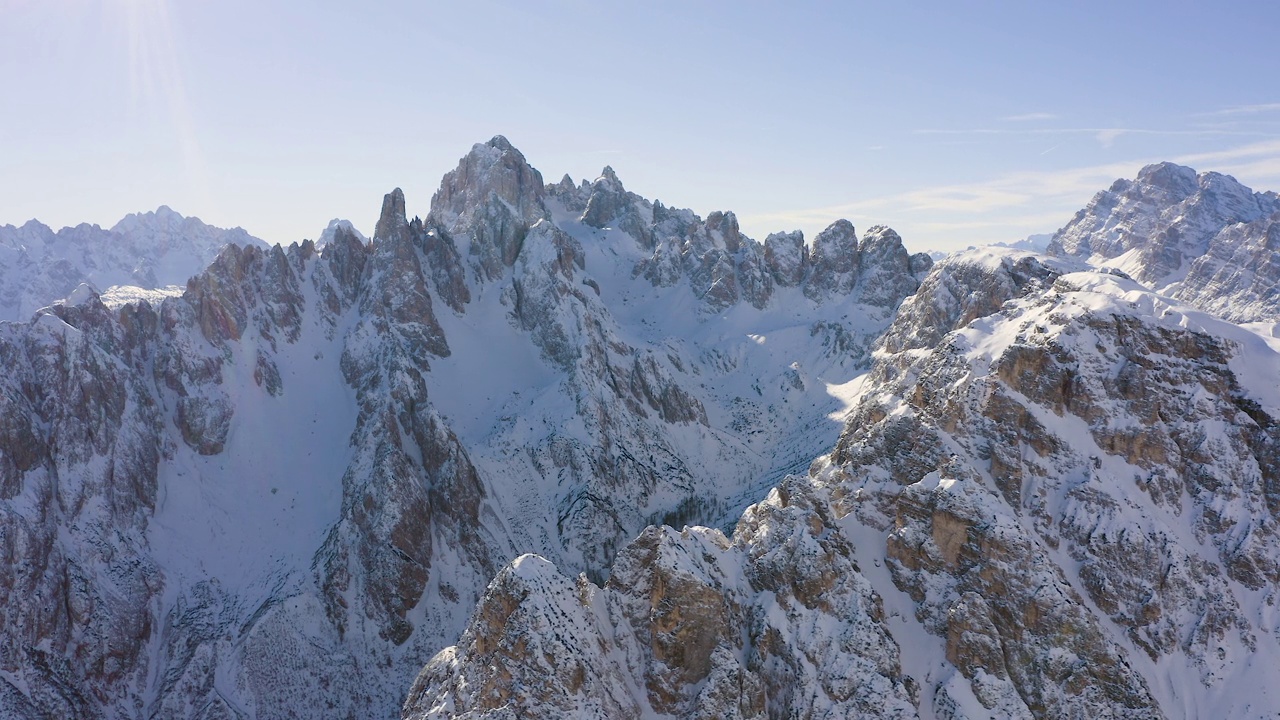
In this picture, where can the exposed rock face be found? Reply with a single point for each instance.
(724, 267)
(963, 288)
(1238, 276)
(1027, 464)
(489, 202)
(77, 433)
(1181, 233)
(834, 259)
(786, 257)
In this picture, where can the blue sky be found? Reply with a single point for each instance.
(955, 123)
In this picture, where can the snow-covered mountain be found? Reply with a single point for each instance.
(1204, 239)
(155, 251)
(1043, 488)
(1055, 496)
(283, 491)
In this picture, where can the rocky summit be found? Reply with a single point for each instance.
(557, 450)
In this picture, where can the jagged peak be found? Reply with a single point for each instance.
(393, 216)
(788, 235)
(163, 216)
(35, 226)
(493, 151)
(609, 177)
(339, 228)
(492, 168)
(84, 293)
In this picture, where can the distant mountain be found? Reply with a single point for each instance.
(151, 250)
(1204, 239)
(1031, 243)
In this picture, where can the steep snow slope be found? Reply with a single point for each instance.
(1064, 507)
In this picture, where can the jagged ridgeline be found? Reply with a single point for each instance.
(1045, 486)
(280, 491)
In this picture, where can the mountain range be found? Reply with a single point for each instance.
(557, 450)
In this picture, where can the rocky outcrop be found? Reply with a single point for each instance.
(834, 260)
(1238, 275)
(961, 289)
(982, 443)
(786, 257)
(690, 624)
(79, 457)
(488, 203)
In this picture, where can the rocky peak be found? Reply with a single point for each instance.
(495, 169)
(487, 205)
(786, 257)
(1178, 181)
(163, 217)
(393, 220)
(885, 272)
(959, 289)
(572, 197)
(566, 183)
(610, 179)
(609, 204)
(725, 224)
(335, 226)
(1177, 232)
(833, 261)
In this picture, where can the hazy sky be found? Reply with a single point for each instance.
(955, 123)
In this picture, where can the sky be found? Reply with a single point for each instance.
(957, 124)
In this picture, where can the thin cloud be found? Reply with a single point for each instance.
(1254, 150)
(1244, 110)
(1107, 138)
(1100, 132)
(1030, 117)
